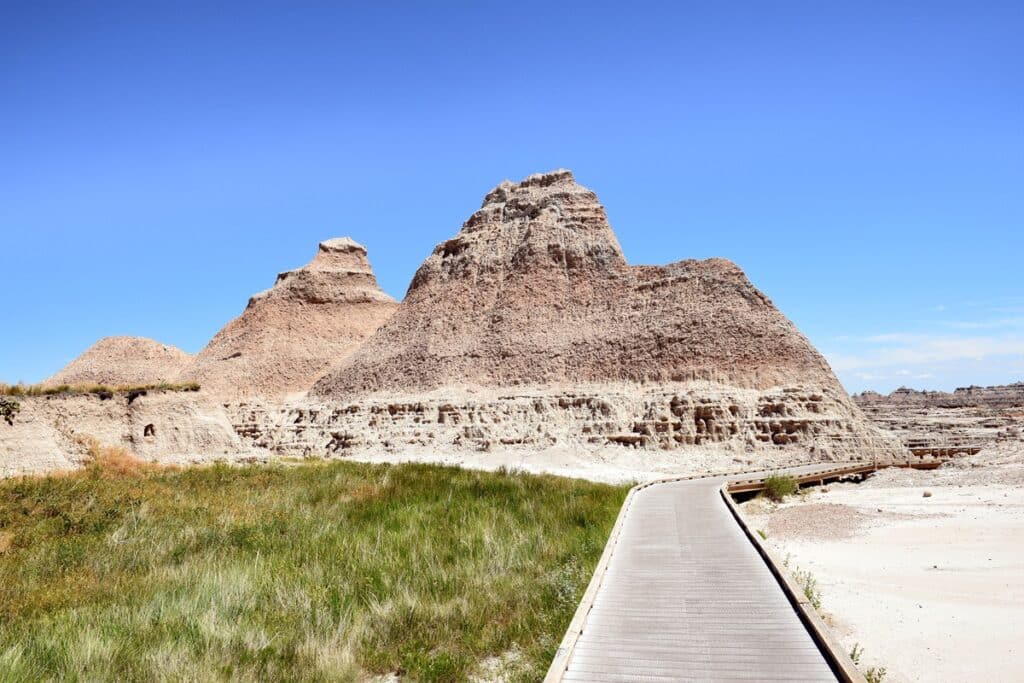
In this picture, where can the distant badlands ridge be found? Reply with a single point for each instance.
(527, 329)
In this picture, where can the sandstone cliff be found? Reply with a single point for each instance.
(291, 334)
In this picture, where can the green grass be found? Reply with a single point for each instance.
(324, 571)
(79, 389)
(778, 486)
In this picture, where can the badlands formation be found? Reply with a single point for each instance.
(118, 361)
(525, 333)
(293, 333)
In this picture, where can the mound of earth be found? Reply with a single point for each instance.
(119, 361)
(290, 335)
(535, 290)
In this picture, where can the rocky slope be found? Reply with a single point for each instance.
(535, 290)
(117, 361)
(291, 334)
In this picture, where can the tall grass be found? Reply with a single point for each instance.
(79, 389)
(330, 571)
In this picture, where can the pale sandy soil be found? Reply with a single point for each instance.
(931, 587)
(614, 465)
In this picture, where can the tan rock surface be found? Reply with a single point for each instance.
(168, 427)
(118, 361)
(293, 333)
(535, 290)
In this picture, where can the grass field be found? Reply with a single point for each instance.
(325, 571)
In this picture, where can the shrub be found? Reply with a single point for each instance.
(778, 486)
(8, 409)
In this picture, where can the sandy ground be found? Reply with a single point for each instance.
(614, 465)
(932, 587)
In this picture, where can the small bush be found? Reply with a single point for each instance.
(778, 486)
(8, 409)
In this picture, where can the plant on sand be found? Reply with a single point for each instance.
(809, 584)
(778, 486)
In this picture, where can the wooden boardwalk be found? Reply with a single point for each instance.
(685, 596)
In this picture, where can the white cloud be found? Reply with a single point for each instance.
(903, 351)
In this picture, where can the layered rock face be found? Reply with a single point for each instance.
(293, 333)
(117, 361)
(533, 308)
(535, 290)
(1003, 396)
(969, 417)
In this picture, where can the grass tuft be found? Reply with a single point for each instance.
(316, 572)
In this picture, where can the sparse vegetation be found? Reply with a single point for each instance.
(778, 486)
(321, 571)
(763, 534)
(876, 674)
(100, 389)
(9, 408)
(809, 584)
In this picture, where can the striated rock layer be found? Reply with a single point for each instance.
(966, 419)
(804, 424)
(293, 333)
(117, 361)
(535, 290)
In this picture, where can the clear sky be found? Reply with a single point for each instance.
(862, 161)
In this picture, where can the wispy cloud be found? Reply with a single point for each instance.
(900, 350)
(999, 323)
(944, 347)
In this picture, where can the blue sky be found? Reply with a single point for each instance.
(863, 162)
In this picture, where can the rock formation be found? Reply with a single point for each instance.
(965, 419)
(527, 330)
(118, 361)
(533, 309)
(1004, 396)
(535, 290)
(290, 335)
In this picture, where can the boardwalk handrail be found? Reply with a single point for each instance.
(837, 659)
